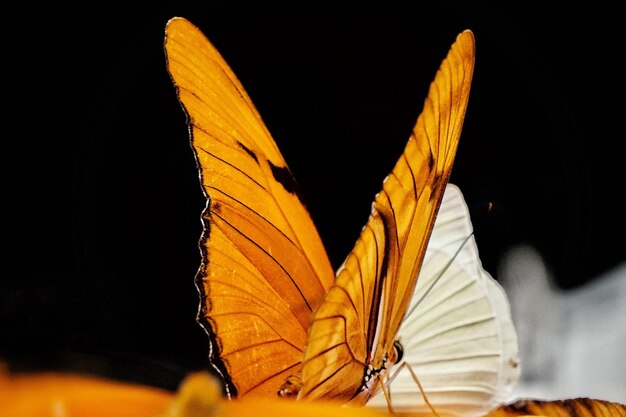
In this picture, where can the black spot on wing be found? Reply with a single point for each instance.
(431, 161)
(248, 151)
(284, 177)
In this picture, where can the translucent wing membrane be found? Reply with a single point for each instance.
(264, 268)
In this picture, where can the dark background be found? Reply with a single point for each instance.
(101, 196)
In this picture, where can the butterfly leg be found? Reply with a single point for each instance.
(387, 395)
(417, 382)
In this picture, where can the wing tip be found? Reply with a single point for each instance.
(467, 35)
(465, 43)
(181, 27)
(176, 20)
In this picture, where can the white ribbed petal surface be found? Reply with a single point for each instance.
(460, 340)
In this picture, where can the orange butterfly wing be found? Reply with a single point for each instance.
(264, 268)
(353, 331)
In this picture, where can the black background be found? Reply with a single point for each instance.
(101, 195)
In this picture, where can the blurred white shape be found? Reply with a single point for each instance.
(572, 342)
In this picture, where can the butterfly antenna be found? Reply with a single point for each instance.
(441, 273)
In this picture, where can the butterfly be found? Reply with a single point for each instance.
(278, 317)
(571, 407)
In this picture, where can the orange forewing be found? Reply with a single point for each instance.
(264, 268)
